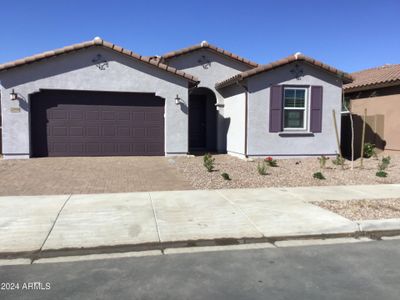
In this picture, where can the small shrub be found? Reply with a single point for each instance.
(384, 163)
(319, 175)
(382, 166)
(369, 150)
(208, 162)
(262, 168)
(226, 176)
(338, 161)
(381, 174)
(322, 161)
(271, 162)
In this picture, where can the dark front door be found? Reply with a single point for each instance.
(76, 123)
(197, 122)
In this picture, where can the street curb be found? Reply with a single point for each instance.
(377, 233)
(382, 225)
(378, 228)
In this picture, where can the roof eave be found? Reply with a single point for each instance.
(210, 47)
(95, 43)
(345, 77)
(366, 87)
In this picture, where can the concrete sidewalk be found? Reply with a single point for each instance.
(45, 223)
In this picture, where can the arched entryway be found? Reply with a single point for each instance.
(202, 120)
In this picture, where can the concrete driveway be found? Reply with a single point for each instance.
(88, 175)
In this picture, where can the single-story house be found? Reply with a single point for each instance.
(377, 91)
(96, 99)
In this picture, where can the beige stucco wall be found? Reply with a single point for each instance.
(383, 117)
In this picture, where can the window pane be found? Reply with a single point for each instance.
(294, 118)
(295, 98)
(300, 94)
(290, 102)
(299, 103)
(289, 93)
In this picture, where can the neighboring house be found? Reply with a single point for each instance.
(96, 98)
(378, 91)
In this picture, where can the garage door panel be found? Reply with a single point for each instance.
(138, 116)
(76, 131)
(59, 131)
(93, 148)
(152, 116)
(154, 132)
(139, 132)
(124, 132)
(123, 116)
(59, 148)
(152, 147)
(76, 115)
(92, 115)
(58, 115)
(69, 123)
(109, 131)
(92, 132)
(76, 147)
(108, 115)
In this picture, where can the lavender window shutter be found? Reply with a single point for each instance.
(316, 109)
(275, 111)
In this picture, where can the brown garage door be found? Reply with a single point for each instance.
(76, 123)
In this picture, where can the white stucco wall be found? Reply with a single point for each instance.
(235, 121)
(76, 71)
(217, 69)
(261, 142)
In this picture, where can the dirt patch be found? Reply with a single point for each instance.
(289, 173)
(89, 175)
(364, 209)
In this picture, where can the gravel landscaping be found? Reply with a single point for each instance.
(289, 173)
(364, 209)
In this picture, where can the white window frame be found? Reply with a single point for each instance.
(306, 108)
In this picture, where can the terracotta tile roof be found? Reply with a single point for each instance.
(93, 43)
(370, 78)
(206, 45)
(292, 58)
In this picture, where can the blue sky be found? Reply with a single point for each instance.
(350, 35)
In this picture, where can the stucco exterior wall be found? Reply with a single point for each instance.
(235, 123)
(210, 68)
(261, 142)
(382, 109)
(76, 71)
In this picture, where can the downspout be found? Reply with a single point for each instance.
(246, 97)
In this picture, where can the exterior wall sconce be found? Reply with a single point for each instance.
(13, 95)
(218, 106)
(178, 100)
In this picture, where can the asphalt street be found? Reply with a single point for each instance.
(369, 270)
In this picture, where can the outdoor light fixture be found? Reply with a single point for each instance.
(218, 106)
(13, 95)
(177, 100)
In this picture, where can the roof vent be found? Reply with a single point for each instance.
(97, 39)
(203, 43)
(296, 55)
